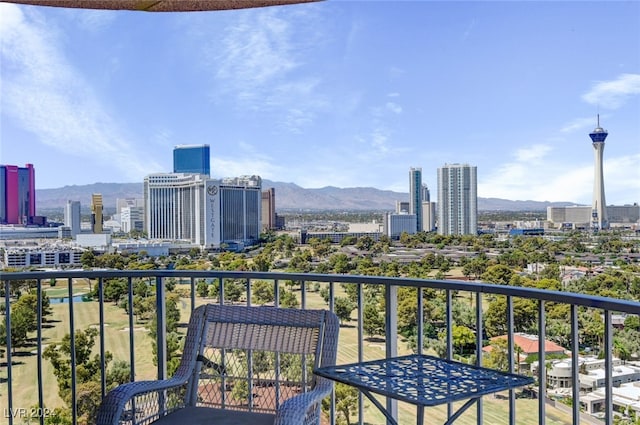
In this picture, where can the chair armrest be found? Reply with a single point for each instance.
(296, 410)
(113, 405)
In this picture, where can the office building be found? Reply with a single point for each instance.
(599, 206)
(191, 159)
(415, 195)
(72, 217)
(457, 200)
(269, 209)
(17, 194)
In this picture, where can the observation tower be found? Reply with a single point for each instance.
(599, 209)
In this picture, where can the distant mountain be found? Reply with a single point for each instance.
(289, 196)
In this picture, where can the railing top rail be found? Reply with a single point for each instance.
(604, 303)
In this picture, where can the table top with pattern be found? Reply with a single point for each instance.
(423, 380)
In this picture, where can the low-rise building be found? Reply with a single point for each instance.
(42, 257)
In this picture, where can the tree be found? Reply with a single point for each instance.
(263, 292)
(88, 369)
(343, 309)
(288, 299)
(498, 274)
(114, 290)
(372, 320)
(346, 402)
(462, 336)
(202, 289)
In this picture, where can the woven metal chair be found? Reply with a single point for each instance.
(240, 365)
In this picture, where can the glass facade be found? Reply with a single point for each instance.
(191, 159)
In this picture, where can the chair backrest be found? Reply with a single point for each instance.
(254, 358)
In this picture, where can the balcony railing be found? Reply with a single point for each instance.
(41, 387)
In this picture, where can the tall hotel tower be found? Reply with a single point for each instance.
(17, 194)
(457, 200)
(415, 195)
(191, 159)
(599, 208)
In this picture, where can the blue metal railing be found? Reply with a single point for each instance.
(606, 306)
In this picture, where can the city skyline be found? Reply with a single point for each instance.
(346, 94)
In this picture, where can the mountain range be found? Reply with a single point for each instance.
(289, 196)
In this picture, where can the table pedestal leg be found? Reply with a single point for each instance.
(461, 410)
(385, 412)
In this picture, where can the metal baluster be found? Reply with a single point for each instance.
(360, 346)
(542, 369)
(391, 336)
(332, 308)
(103, 364)
(132, 360)
(74, 412)
(420, 343)
(7, 319)
(575, 366)
(510, 357)
(608, 367)
(479, 334)
(39, 351)
(449, 343)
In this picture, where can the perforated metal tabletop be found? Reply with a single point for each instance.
(423, 380)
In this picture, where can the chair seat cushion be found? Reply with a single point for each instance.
(209, 416)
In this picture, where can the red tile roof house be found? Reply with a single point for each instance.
(528, 345)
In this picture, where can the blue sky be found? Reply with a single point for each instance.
(337, 93)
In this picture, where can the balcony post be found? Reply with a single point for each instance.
(7, 318)
(608, 366)
(161, 329)
(391, 336)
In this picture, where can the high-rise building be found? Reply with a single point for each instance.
(191, 159)
(17, 194)
(174, 206)
(207, 212)
(72, 217)
(233, 211)
(457, 200)
(426, 194)
(97, 218)
(128, 202)
(402, 207)
(599, 207)
(269, 209)
(397, 224)
(415, 195)
(428, 216)
(132, 218)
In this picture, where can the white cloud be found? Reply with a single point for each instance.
(394, 107)
(259, 65)
(49, 98)
(533, 153)
(551, 180)
(91, 20)
(579, 124)
(613, 94)
(254, 165)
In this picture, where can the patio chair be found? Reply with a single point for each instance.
(240, 365)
